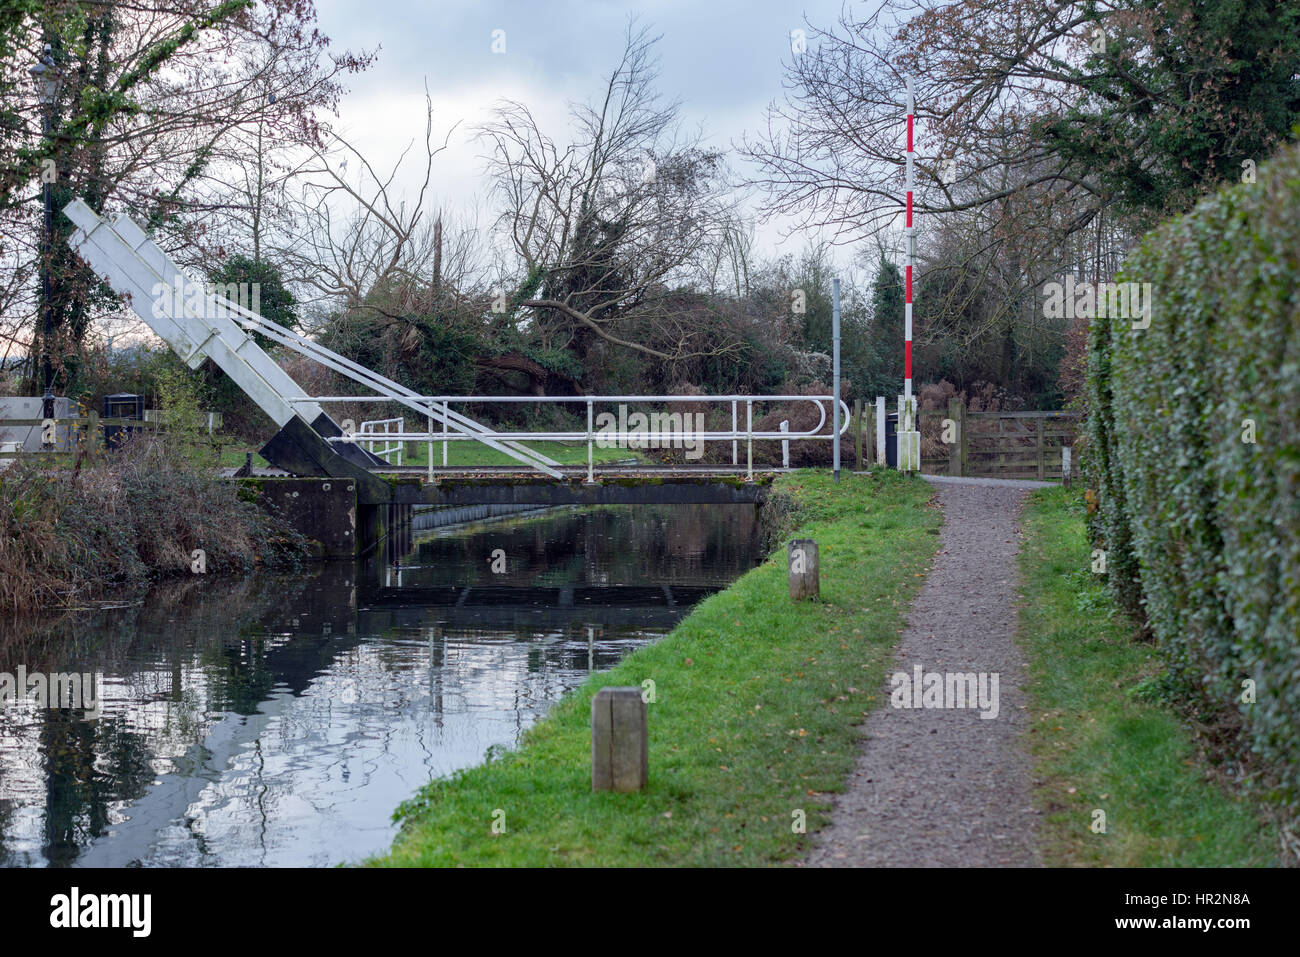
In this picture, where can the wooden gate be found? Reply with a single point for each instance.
(1011, 445)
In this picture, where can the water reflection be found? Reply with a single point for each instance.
(278, 720)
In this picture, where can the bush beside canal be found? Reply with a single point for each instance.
(753, 724)
(69, 535)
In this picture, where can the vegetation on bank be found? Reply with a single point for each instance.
(1193, 456)
(73, 535)
(1104, 733)
(756, 702)
(122, 518)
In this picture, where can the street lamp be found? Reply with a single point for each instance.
(46, 79)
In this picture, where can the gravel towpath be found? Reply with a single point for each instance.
(943, 787)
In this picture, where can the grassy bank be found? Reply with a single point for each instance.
(753, 720)
(1102, 737)
(458, 454)
(475, 453)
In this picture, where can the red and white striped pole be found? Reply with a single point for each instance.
(911, 250)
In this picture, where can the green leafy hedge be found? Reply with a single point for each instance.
(1202, 527)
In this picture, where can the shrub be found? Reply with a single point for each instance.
(1201, 525)
(73, 534)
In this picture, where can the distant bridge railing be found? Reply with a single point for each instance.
(384, 427)
(674, 433)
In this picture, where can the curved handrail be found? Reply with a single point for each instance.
(813, 433)
(656, 434)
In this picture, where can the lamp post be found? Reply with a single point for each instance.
(47, 92)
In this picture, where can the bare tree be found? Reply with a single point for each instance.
(730, 262)
(356, 234)
(605, 225)
(156, 100)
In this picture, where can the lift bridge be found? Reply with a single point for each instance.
(309, 443)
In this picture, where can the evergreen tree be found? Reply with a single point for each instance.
(1179, 95)
(273, 302)
(885, 331)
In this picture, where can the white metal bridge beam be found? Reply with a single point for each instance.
(201, 326)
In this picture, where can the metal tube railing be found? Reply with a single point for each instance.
(649, 437)
(370, 428)
(591, 451)
(735, 453)
(444, 437)
(749, 442)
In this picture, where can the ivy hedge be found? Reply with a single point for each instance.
(1192, 454)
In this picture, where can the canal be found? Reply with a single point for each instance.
(278, 720)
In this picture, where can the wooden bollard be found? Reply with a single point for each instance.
(94, 438)
(620, 740)
(1065, 466)
(804, 575)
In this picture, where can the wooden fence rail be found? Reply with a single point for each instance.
(985, 444)
(80, 421)
(995, 444)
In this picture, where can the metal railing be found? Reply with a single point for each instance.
(676, 435)
(457, 425)
(390, 448)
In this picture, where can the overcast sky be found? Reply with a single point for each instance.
(723, 58)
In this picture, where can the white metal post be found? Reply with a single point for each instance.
(835, 375)
(444, 435)
(735, 448)
(429, 447)
(880, 430)
(785, 446)
(749, 439)
(907, 436)
(898, 436)
(591, 455)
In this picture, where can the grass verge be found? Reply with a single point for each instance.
(1101, 737)
(756, 699)
(458, 454)
(232, 455)
(475, 453)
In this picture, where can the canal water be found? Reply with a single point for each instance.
(278, 720)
